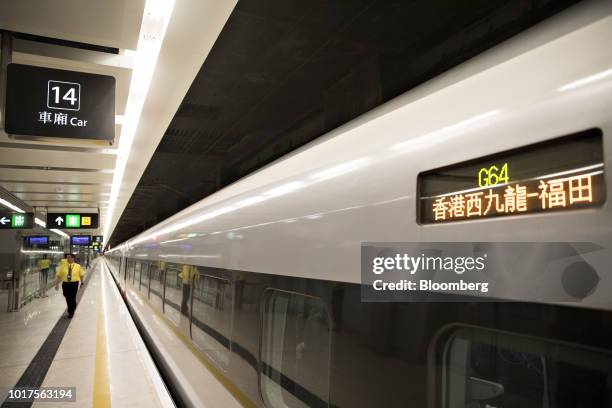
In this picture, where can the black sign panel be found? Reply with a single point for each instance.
(72, 220)
(59, 103)
(15, 220)
(561, 174)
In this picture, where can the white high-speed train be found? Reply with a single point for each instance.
(268, 312)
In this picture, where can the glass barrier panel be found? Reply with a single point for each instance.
(176, 295)
(295, 351)
(212, 315)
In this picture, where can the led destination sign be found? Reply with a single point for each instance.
(563, 174)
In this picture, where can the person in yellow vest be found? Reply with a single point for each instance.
(188, 274)
(69, 274)
(161, 267)
(43, 266)
(159, 274)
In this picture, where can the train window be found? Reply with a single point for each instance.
(295, 351)
(212, 291)
(488, 369)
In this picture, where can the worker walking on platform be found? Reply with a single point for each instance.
(43, 265)
(70, 274)
(188, 274)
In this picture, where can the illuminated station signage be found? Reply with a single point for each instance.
(72, 221)
(14, 220)
(36, 241)
(96, 243)
(562, 174)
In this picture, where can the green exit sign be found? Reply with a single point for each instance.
(18, 220)
(13, 220)
(73, 220)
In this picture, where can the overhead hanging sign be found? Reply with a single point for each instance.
(72, 220)
(563, 174)
(58, 103)
(14, 220)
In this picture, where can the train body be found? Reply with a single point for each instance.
(262, 280)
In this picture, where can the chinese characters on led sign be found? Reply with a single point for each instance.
(564, 174)
(558, 193)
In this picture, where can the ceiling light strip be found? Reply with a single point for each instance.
(10, 205)
(152, 31)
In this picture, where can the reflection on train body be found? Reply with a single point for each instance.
(294, 342)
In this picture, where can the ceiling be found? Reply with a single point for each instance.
(53, 173)
(284, 73)
(104, 37)
(108, 23)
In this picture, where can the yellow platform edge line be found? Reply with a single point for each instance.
(101, 388)
(240, 396)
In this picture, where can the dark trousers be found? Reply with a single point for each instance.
(185, 300)
(70, 291)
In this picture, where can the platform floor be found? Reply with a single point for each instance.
(23, 332)
(101, 353)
